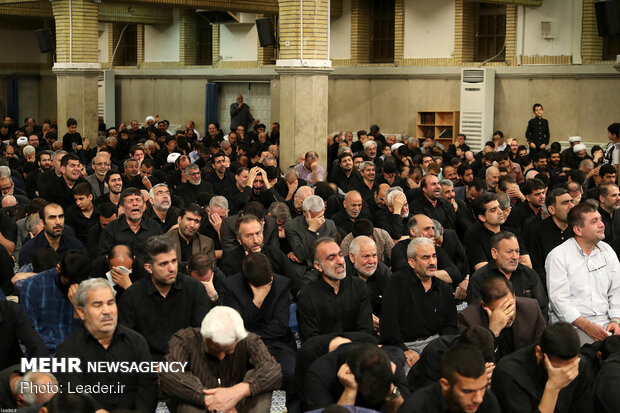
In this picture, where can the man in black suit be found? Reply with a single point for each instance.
(497, 311)
(228, 235)
(262, 299)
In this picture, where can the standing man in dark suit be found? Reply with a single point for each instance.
(497, 311)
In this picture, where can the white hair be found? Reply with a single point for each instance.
(32, 221)
(5, 171)
(369, 143)
(9, 200)
(58, 153)
(356, 245)
(313, 203)
(219, 201)
(446, 182)
(25, 389)
(223, 325)
(29, 150)
(393, 191)
(437, 228)
(81, 295)
(413, 245)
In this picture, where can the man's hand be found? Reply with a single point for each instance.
(292, 188)
(120, 277)
(560, 377)
(224, 399)
(501, 315)
(252, 176)
(315, 223)
(260, 293)
(262, 172)
(515, 193)
(614, 328)
(216, 222)
(461, 290)
(398, 202)
(314, 166)
(71, 296)
(412, 357)
(147, 183)
(532, 145)
(596, 332)
(375, 322)
(346, 378)
(489, 367)
(291, 256)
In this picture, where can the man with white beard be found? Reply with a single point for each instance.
(362, 262)
(333, 303)
(394, 216)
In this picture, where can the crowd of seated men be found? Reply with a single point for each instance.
(401, 276)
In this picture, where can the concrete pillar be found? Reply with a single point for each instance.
(304, 67)
(77, 66)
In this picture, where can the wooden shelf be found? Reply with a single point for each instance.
(440, 125)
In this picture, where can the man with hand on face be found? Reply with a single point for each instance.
(363, 258)
(166, 301)
(514, 321)
(333, 303)
(547, 377)
(417, 306)
(229, 369)
(463, 386)
(258, 188)
(102, 338)
(303, 231)
(592, 307)
(394, 215)
(194, 185)
(353, 210)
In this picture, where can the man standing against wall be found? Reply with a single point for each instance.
(240, 114)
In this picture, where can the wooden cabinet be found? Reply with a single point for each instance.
(441, 125)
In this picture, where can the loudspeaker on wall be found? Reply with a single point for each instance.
(264, 27)
(45, 40)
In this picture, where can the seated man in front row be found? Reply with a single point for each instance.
(514, 321)
(237, 373)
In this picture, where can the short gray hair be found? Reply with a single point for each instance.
(223, 325)
(365, 165)
(504, 200)
(5, 171)
(32, 221)
(356, 245)
(313, 203)
(58, 153)
(437, 228)
(446, 182)
(219, 201)
(190, 167)
(81, 296)
(391, 192)
(154, 187)
(369, 143)
(417, 242)
(130, 160)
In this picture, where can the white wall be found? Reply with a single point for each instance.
(103, 43)
(429, 28)
(238, 42)
(161, 43)
(340, 34)
(20, 46)
(560, 12)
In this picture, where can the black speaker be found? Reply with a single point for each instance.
(607, 18)
(264, 27)
(45, 40)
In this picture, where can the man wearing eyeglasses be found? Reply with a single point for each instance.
(101, 165)
(583, 278)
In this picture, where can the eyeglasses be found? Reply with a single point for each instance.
(595, 264)
(102, 164)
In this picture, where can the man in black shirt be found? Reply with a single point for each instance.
(353, 210)
(463, 386)
(394, 215)
(346, 177)
(543, 235)
(534, 191)
(417, 307)
(477, 239)
(333, 303)
(114, 181)
(262, 299)
(100, 338)
(363, 262)
(59, 190)
(82, 215)
(220, 178)
(164, 303)
(194, 185)
(250, 236)
(609, 204)
(44, 161)
(160, 207)
(547, 378)
(505, 264)
(132, 228)
(431, 203)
